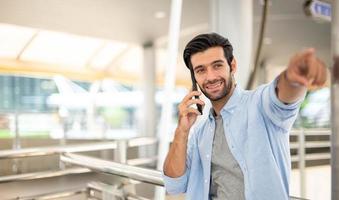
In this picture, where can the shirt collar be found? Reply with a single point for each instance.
(231, 103)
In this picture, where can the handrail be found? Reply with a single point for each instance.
(142, 161)
(44, 174)
(137, 173)
(318, 131)
(98, 186)
(103, 187)
(53, 195)
(141, 141)
(49, 150)
(141, 174)
(55, 173)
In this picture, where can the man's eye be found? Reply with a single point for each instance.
(199, 71)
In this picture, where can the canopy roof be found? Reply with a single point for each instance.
(29, 51)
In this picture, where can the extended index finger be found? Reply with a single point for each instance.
(308, 52)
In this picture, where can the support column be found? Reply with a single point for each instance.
(148, 87)
(166, 120)
(233, 19)
(147, 118)
(335, 101)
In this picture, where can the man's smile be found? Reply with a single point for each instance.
(215, 86)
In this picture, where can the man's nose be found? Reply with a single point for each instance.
(210, 74)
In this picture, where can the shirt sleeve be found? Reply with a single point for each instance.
(281, 114)
(179, 184)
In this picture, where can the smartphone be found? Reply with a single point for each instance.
(195, 88)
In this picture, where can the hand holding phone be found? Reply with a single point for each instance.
(195, 88)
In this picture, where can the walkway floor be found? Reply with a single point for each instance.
(318, 183)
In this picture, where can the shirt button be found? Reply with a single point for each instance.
(207, 156)
(205, 180)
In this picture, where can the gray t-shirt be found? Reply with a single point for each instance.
(227, 180)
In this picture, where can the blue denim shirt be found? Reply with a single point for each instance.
(256, 125)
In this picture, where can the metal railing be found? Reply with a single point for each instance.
(43, 174)
(53, 195)
(301, 144)
(90, 192)
(150, 176)
(87, 164)
(120, 155)
(137, 173)
(111, 191)
(95, 146)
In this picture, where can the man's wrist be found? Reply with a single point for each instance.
(289, 81)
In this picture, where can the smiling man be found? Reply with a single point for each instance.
(242, 149)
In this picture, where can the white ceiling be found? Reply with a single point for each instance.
(125, 20)
(291, 31)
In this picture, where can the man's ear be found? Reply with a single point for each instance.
(234, 66)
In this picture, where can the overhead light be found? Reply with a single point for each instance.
(159, 14)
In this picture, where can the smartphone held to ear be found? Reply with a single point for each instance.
(195, 88)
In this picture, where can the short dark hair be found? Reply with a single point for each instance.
(202, 42)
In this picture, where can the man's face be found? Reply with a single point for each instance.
(212, 73)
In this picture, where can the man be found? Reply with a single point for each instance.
(242, 149)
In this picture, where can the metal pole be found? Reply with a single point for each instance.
(167, 105)
(148, 108)
(120, 153)
(16, 141)
(334, 101)
(108, 167)
(120, 156)
(302, 163)
(234, 20)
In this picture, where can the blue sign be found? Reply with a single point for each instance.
(321, 10)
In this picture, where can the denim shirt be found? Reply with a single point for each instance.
(257, 126)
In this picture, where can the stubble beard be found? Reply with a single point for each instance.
(224, 92)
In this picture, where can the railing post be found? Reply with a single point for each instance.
(167, 105)
(302, 163)
(16, 140)
(120, 153)
(15, 129)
